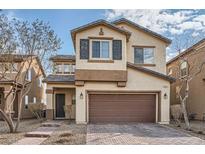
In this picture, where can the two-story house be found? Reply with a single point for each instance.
(120, 75)
(178, 68)
(61, 88)
(11, 66)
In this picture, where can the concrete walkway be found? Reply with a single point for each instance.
(40, 134)
(139, 133)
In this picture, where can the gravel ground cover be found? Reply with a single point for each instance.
(197, 128)
(25, 126)
(68, 133)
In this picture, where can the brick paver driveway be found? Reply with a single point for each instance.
(137, 134)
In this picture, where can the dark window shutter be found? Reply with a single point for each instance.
(117, 49)
(84, 49)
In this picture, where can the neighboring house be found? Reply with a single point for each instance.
(37, 91)
(120, 75)
(196, 99)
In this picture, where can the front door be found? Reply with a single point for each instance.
(60, 103)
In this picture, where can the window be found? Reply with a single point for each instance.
(26, 101)
(66, 69)
(34, 99)
(58, 68)
(72, 69)
(40, 81)
(28, 75)
(101, 49)
(69, 69)
(183, 69)
(9, 67)
(144, 55)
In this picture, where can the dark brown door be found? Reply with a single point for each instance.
(60, 103)
(16, 106)
(122, 108)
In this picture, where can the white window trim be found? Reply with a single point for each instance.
(110, 49)
(143, 55)
(40, 81)
(29, 75)
(63, 72)
(26, 100)
(187, 67)
(34, 100)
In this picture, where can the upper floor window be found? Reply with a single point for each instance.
(69, 69)
(98, 49)
(9, 67)
(143, 55)
(58, 68)
(101, 49)
(40, 81)
(184, 69)
(64, 69)
(28, 75)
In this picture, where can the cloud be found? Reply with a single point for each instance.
(178, 25)
(195, 34)
(162, 21)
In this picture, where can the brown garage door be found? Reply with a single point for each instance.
(122, 108)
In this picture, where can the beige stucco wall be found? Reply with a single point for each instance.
(137, 81)
(139, 38)
(94, 32)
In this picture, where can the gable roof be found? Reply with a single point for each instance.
(62, 58)
(123, 20)
(151, 72)
(20, 58)
(14, 57)
(96, 23)
(186, 51)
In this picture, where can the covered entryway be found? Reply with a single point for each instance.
(60, 103)
(122, 108)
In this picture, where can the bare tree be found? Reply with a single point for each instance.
(30, 42)
(188, 67)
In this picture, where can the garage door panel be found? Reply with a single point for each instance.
(122, 108)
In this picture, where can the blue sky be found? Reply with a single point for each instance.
(184, 27)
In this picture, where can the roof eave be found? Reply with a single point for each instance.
(73, 32)
(123, 20)
(153, 73)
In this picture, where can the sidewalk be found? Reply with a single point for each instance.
(40, 134)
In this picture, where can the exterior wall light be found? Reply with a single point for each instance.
(81, 95)
(165, 96)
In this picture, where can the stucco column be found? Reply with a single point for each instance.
(80, 105)
(49, 102)
(165, 105)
